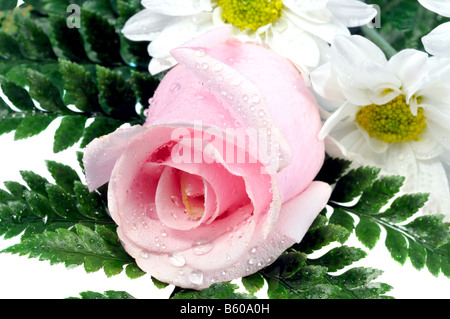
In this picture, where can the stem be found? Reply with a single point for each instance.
(376, 38)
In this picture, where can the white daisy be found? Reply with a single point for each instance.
(437, 42)
(297, 29)
(392, 114)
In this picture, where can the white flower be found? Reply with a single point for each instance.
(392, 114)
(297, 29)
(437, 42)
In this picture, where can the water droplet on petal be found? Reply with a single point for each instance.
(217, 67)
(175, 200)
(177, 260)
(255, 99)
(196, 277)
(201, 246)
(175, 87)
(144, 254)
(200, 53)
(236, 81)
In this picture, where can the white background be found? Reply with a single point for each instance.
(24, 278)
(21, 277)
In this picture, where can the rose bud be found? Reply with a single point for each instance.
(218, 182)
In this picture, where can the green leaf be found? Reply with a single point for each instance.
(99, 127)
(7, 4)
(344, 219)
(67, 40)
(368, 232)
(43, 91)
(16, 189)
(11, 216)
(431, 229)
(79, 246)
(445, 260)
(33, 125)
(18, 96)
(110, 294)
(354, 183)
(332, 169)
(159, 284)
(9, 125)
(90, 204)
(69, 132)
(80, 86)
(64, 175)
(35, 182)
(358, 283)
(417, 254)
(223, 290)
(404, 207)
(433, 262)
(253, 283)
(320, 237)
(276, 289)
(116, 94)
(35, 43)
(397, 245)
(133, 271)
(379, 193)
(287, 264)
(62, 201)
(101, 36)
(9, 47)
(144, 85)
(39, 204)
(339, 257)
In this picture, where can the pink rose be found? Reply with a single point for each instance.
(219, 180)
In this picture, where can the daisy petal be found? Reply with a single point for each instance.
(295, 44)
(433, 180)
(441, 7)
(145, 26)
(409, 66)
(437, 41)
(325, 30)
(301, 5)
(177, 7)
(343, 112)
(400, 160)
(324, 82)
(439, 126)
(360, 66)
(352, 13)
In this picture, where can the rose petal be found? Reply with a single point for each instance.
(189, 269)
(101, 154)
(247, 105)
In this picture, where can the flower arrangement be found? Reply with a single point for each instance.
(227, 149)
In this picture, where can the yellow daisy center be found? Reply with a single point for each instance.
(392, 122)
(250, 14)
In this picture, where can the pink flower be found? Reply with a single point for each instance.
(219, 180)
